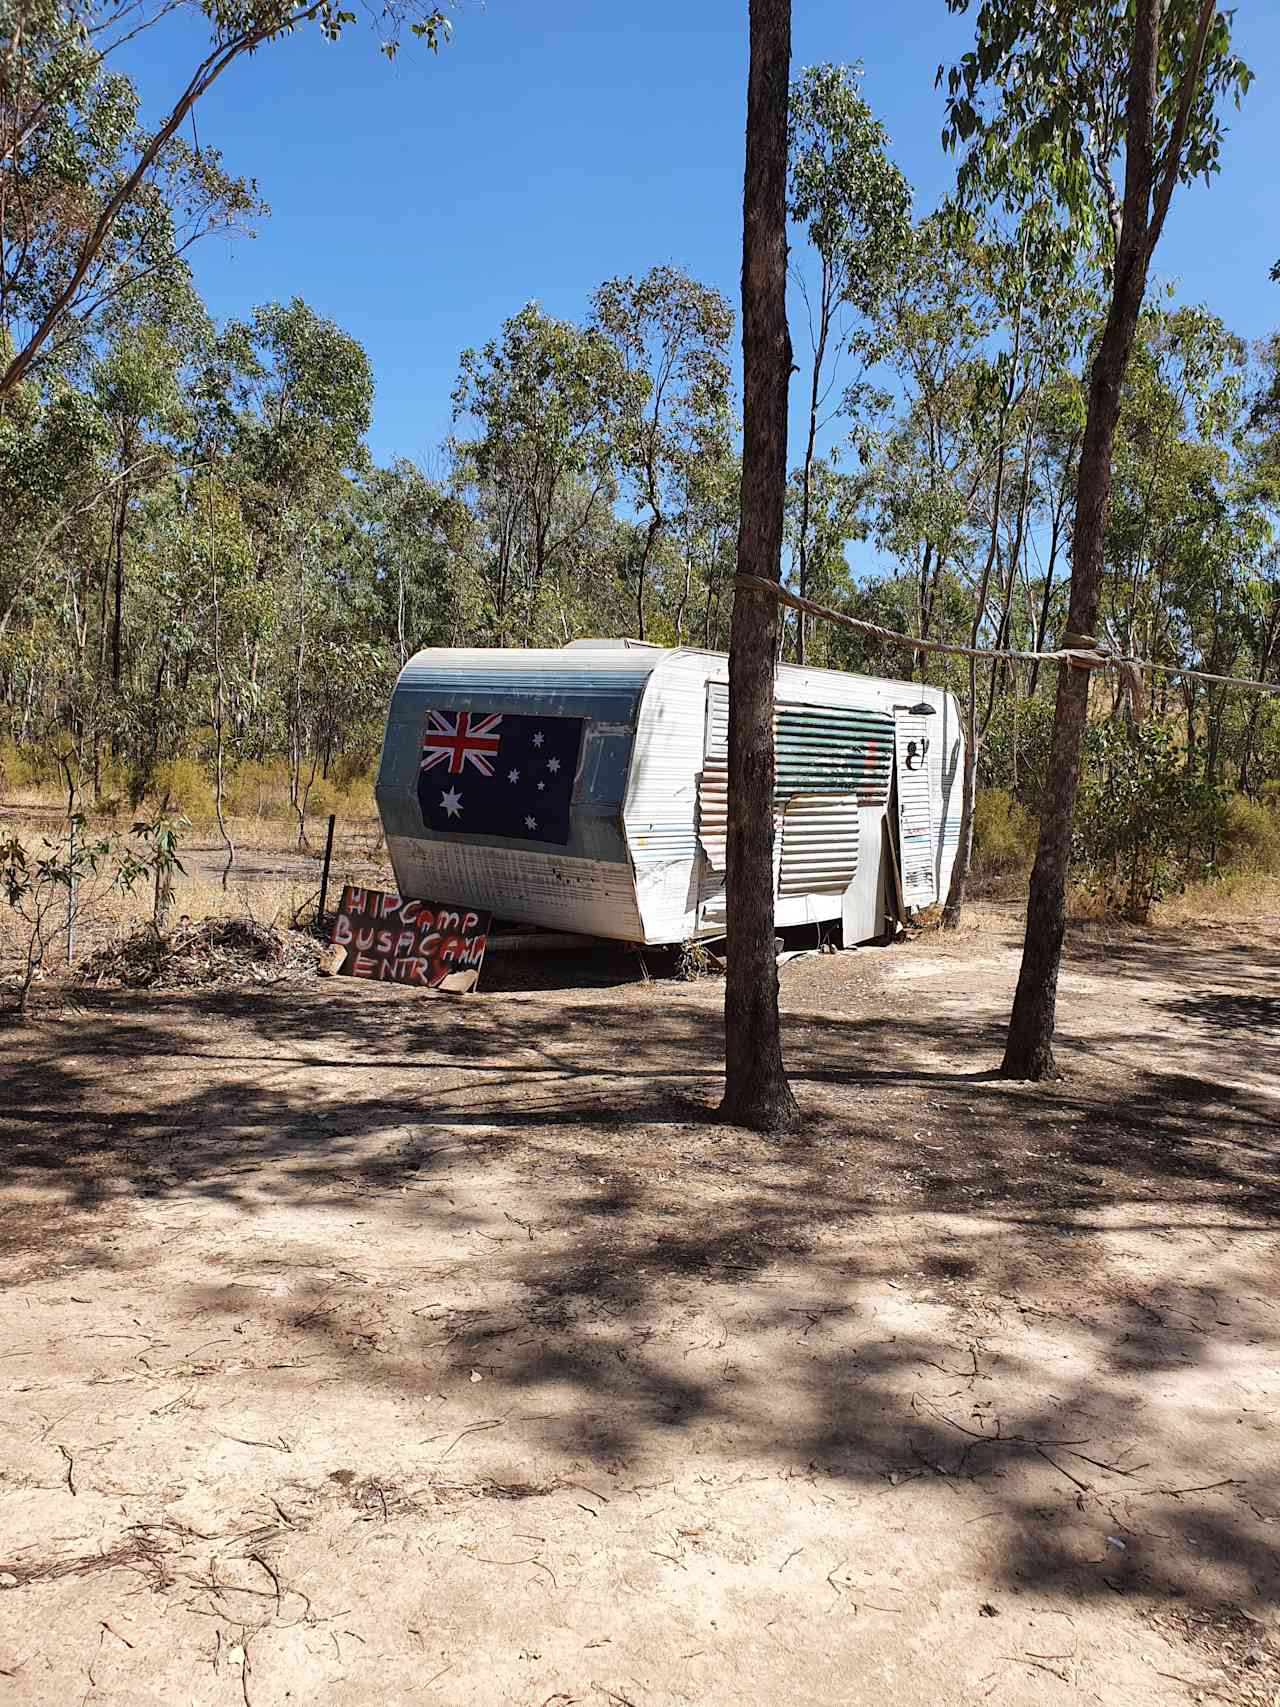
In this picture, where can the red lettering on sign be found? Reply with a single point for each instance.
(390, 938)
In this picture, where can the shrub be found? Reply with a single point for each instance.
(257, 789)
(30, 770)
(1004, 833)
(186, 785)
(1249, 839)
(1144, 823)
(348, 798)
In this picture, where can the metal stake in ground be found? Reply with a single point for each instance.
(324, 874)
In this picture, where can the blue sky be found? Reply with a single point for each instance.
(549, 147)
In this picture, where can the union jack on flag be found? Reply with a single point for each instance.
(459, 742)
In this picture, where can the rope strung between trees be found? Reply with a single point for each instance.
(1081, 651)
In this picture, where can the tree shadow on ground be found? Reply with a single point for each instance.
(1006, 1216)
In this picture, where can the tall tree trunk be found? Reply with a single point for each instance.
(806, 484)
(954, 908)
(1271, 633)
(756, 1090)
(1046, 597)
(117, 621)
(1029, 1047)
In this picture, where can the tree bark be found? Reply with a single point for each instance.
(1029, 1047)
(756, 1090)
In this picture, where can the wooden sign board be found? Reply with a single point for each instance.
(410, 942)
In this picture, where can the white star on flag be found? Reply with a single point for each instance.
(513, 776)
(452, 803)
(531, 823)
(537, 739)
(553, 765)
(541, 785)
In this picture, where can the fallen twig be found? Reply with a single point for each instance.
(472, 1428)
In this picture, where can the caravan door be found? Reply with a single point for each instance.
(915, 808)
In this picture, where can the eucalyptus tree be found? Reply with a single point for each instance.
(1061, 96)
(934, 323)
(90, 198)
(420, 544)
(1030, 282)
(708, 526)
(540, 466)
(152, 337)
(854, 207)
(757, 1093)
(287, 400)
(672, 336)
(827, 507)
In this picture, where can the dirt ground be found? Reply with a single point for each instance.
(366, 1347)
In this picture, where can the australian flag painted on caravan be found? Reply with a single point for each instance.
(488, 773)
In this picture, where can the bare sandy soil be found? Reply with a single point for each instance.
(364, 1347)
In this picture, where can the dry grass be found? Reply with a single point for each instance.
(272, 885)
(1233, 898)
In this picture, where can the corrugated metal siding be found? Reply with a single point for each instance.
(915, 810)
(713, 783)
(661, 812)
(832, 760)
(819, 844)
(833, 750)
(946, 769)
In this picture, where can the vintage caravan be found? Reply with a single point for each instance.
(586, 790)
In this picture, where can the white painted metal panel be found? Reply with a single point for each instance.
(588, 885)
(819, 844)
(946, 774)
(594, 897)
(713, 782)
(660, 816)
(915, 809)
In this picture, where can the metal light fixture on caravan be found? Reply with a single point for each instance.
(586, 789)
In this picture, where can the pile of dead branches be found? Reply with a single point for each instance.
(215, 951)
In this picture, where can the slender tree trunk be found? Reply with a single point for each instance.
(1029, 1048)
(756, 1090)
(642, 571)
(806, 484)
(219, 702)
(1270, 634)
(103, 595)
(953, 911)
(117, 621)
(1042, 623)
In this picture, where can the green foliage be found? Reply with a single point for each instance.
(852, 201)
(1145, 822)
(1249, 836)
(1040, 100)
(202, 566)
(183, 784)
(1004, 834)
(64, 875)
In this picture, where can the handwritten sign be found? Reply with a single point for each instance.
(410, 942)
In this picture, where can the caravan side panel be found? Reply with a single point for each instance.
(660, 815)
